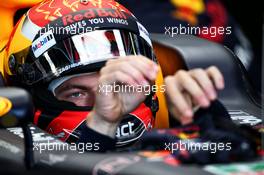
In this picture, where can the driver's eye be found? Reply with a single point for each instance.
(76, 95)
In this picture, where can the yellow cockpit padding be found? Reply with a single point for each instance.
(162, 117)
(5, 106)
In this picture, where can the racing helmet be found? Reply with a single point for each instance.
(62, 38)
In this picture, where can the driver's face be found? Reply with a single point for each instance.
(79, 90)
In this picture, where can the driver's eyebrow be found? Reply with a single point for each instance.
(69, 87)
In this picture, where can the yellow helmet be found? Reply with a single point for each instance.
(8, 11)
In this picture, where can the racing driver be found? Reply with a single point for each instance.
(91, 69)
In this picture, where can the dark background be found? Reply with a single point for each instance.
(249, 14)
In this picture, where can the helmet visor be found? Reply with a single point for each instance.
(86, 52)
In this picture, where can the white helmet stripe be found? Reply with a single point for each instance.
(29, 29)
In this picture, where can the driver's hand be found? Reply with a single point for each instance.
(111, 106)
(188, 90)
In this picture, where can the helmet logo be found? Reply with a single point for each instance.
(84, 2)
(43, 43)
(92, 13)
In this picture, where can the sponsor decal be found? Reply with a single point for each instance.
(129, 130)
(126, 129)
(90, 20)
(242, 117)
(43, 43)
(63, 69)
(48, 11)
(117, 21)
(134, 125)
(91, 14)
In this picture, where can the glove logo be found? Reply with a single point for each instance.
(125, 130)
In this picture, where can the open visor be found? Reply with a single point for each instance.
(85, 52)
